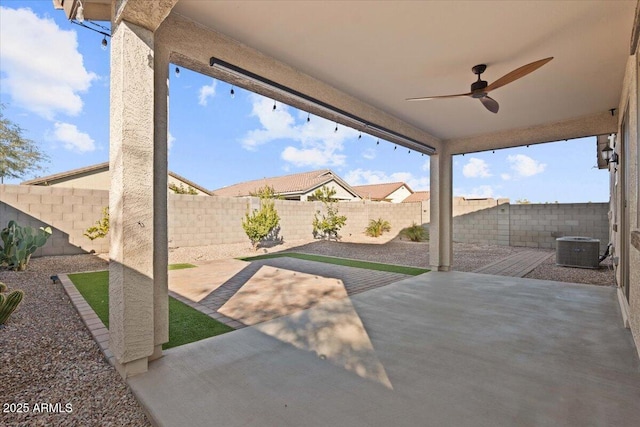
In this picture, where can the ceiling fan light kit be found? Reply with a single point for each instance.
(480, 88)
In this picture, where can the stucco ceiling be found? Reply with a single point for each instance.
(384, 52)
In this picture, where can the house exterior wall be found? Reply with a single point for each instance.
(625, 202)
(92, 181)
(102, 181)
(399, 195)
(341, 193)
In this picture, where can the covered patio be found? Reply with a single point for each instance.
(452, 348)
(438, 349)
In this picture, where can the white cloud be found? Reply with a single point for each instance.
(505, 176)
(72, 139)
(480, 192)
(206, 92)
(369, 154)
(525, 166)
(364, 177)
(314, 157)
(476, 168)
(426, 166)
(170, 140)
(41, 67)
(319, 144)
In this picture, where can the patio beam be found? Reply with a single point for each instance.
(598, 124)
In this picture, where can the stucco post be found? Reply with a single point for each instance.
(131, 201)
(160, 202)
(440, 224)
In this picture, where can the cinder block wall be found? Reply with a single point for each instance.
(69, 212)
(496, 222)
(196, 221)
(538, 225)
(199, 221)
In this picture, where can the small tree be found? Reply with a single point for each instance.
(181, 190)
(330, 224)
(260, 223)
(18, 155)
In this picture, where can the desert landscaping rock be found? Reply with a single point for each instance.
(48, 355)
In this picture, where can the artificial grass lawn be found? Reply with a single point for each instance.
(412, 271)
(181, 266)
(185, 323)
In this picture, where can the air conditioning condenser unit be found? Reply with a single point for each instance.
(574, 251)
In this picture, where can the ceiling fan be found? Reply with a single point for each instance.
(480, 89)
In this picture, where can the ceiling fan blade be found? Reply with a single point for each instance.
(517, 73)
(490, 104)
(426, 98)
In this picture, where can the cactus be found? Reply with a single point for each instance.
(19, 243)
(8, 303)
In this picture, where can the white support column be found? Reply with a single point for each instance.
(440, 225)
(138, 168)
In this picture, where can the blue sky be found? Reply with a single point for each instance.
(54, 82)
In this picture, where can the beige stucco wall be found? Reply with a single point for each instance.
(94, 181)
(628, 170)
(102, 181)
(341, 193)
(399, 195)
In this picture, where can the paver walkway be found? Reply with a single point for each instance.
(516, 265)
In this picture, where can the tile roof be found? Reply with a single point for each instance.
(298, 183)
(418, 196)
(378, 191)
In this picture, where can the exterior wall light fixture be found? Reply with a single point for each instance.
(609, 156)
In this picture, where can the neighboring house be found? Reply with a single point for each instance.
(299, 186)
(97, 177)
(417, 196)
(394, 192)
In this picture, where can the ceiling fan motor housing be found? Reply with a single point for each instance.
(477, 88)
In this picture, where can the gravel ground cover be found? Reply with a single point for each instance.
(47, 356)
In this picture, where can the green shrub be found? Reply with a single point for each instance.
(181, 190)
(262, 222)
(101, 227)
(415, 233)
(377, 227)
(18, 243)
(330, 224)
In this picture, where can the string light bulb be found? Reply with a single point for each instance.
(395, 147)
(274, 105)
(177, 72)
(360, 135)
(308, 117)
(378, 142)
(232, 92)
(104, 43)
(336, 129)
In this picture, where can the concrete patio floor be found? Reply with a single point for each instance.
(438, 349)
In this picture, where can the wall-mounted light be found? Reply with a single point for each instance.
(608, 155)
(343, 116)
